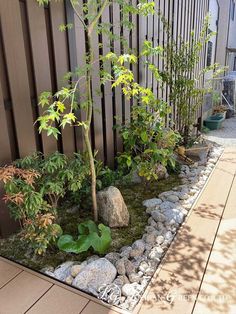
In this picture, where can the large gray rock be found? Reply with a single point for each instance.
(94, 275)
(112, 208)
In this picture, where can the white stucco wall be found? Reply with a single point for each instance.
(214, 12)
(222, 31)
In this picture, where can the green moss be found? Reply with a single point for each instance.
(17, 249)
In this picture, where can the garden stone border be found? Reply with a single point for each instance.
(126, 274)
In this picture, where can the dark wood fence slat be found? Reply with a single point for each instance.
(60, 47)
(77, 51)
(7, 224)
(5, 145)
(142, 37)
(155, 43)
(108, 108)
(150, 38)
(41, 62)
(126, 102)
(18, 76)
(118, 91)
(134, 43)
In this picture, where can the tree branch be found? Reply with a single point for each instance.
(97, 17)
(78, 14)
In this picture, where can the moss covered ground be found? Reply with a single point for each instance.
(134, 194)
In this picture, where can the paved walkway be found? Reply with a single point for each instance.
(197, 276)
(225, 136)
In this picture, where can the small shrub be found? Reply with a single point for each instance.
(58, 174)
(106, 176)
(147, 143)
(90, 236)
(34, 185)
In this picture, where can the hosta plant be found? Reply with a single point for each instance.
(90, 236)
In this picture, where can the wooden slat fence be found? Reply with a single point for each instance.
(35, 55)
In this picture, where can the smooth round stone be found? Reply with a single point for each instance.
(160, 239)
(69, 280)
(131, 289)
(172, 198)
(153, 202)
(156, 253)
(76, 269)
(169, 236)
(134, 277)
(143, 266)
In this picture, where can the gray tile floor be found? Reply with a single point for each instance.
(225, 136)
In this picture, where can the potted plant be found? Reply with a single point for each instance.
(214, 122)
(218, 108)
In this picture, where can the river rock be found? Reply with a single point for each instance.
(156, 253)
(138, 248)
(134, 277)
(113, 257)
(172, 198)
(112, 208)
(94, 275)
(69, 280)
(131, 289)
(173, 212)
(120, 266)
(167, 205)
(63, 271)
(153, 202)
(124, 266)
(125, 251)
(160, 239)
(75, 269)
(150, 238)
(121, 280)
(158, 216)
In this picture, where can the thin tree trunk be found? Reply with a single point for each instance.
(86, 130)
